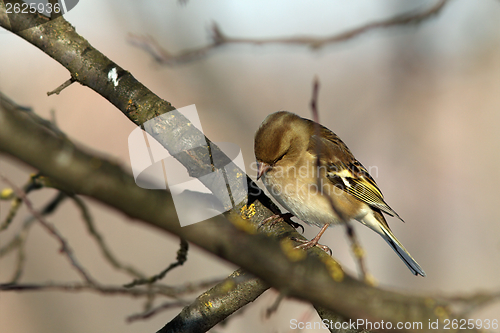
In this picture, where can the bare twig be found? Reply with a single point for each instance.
(13, 244)
(50, 125)
(14, 207)
(274, 307)
(314, 110)
(9, 194)
(359, 253)
(78, 287)
(356, 247)
(192, 287)
(21, 256)
(162, 56)
(61, 87)
(156, 289)
(106, 251)
(19, 240)
(181, 259)
(65, 248)
(149, 313)
(18, 243)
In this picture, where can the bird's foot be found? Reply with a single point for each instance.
(306, 245)
(286, 217)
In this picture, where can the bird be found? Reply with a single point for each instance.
(322, 191)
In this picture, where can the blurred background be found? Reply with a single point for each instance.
(418, 105)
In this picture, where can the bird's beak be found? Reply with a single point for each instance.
(261, 169)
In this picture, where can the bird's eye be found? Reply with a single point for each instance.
(280, 158)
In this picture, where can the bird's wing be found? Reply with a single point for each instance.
(347, 173)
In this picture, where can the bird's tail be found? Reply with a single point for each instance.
(377, 223)
(412, 264)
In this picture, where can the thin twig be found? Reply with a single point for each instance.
(359, 253)
(356, 247)
(19, 240)
(21, 257)
(274, 307)
(65, 248)
(192, 287)
(14, 208)
(9, 194)
(153, 311)
(78, 287)
(162, 56)
(181, 259)
(35, 117)
(106, 251)
(319, 183)
(23, 234)
(10, 246)
(61, 87)
(156, 289)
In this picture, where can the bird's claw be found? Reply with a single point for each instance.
(310, 244)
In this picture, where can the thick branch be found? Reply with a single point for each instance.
(198, 317)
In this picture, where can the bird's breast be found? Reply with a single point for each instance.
(301, 195)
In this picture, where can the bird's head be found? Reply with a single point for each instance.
(280, 137)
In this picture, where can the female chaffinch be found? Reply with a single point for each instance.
(286, 149)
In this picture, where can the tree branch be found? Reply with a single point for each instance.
(218, 39)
